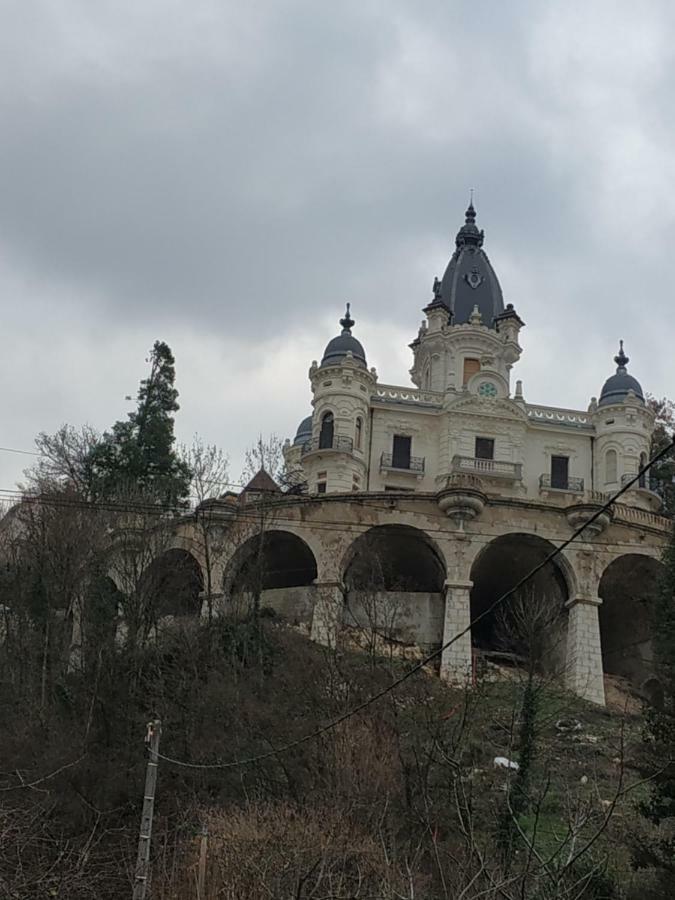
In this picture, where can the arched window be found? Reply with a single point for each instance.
(358, 432)
(642, 480)
(326, 433)
(610, 467)
(426, 381)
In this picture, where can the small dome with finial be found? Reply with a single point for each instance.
(615, 389)
(344, 343)
(304, 432)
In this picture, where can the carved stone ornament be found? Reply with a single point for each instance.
(462, 499)
(473, 278)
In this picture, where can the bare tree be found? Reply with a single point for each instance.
(210, 473)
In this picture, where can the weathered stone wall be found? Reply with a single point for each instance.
(408, 617)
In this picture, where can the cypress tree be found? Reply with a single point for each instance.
(138, 458)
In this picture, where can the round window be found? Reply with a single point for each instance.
(487, 389)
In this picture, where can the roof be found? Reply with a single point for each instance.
(616, 388)
(261, 482)
(338, 348)
(304, 432)
(469, 279)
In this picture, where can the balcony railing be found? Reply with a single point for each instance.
(492, 468)
(339, 442)
(569, 484)
(645, 483)
(412, 464)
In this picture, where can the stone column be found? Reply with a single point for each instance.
(216, 604)
(456, 660)
(327, 615)
(583, 671)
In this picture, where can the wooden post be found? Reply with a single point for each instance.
(201, 871)
(143, 859)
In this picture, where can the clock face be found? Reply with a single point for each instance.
(487, 389)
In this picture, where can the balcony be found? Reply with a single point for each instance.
(412, 464)
(645, 483)
(646, 494)
(488, 468)
(567, 485)
(338, 443)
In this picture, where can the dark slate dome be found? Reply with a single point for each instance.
(304, 432)
(469, 279)
(344, 343)
(615, 389)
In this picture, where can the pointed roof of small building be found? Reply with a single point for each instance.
(262, 482)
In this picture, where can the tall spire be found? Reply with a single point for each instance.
(469, 234)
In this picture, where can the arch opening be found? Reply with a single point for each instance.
(281, 568)
(326, 432)
(173, 583)
(394, 579)
(628, 589)
(531, 625)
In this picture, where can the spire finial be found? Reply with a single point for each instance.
(470, 212)
(347, 323)
(621, 359)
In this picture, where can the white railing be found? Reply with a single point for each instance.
(558, 416)
(496, 468)
(635, 514)
(389, 393)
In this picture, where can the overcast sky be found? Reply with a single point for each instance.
(225, 175)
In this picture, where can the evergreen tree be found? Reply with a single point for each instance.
(137, 458)
(662, 473)
(659, 852)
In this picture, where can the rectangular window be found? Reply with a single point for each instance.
(560, 472)
(321, 487)
(399, 490)
(485, 448)
(400, 457)
(471, 367)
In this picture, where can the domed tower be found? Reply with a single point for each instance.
(293, 451)
(335, 458)
(624, 425)
(469, 340)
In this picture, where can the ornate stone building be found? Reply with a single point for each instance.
(420, 506)
(443, 494)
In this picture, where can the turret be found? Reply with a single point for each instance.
(624, 425)
(334, 458)
(469, 340)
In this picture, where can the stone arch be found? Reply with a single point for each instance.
(628, 588)
(173, 584)
(281, 566)
(508, 629)
(394, 577)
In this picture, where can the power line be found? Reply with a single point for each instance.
(419, 666)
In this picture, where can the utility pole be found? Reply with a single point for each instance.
(201, 871)
(143, 859)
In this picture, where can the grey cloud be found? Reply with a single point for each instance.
(241, 170)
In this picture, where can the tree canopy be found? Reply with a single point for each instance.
(138, 456)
